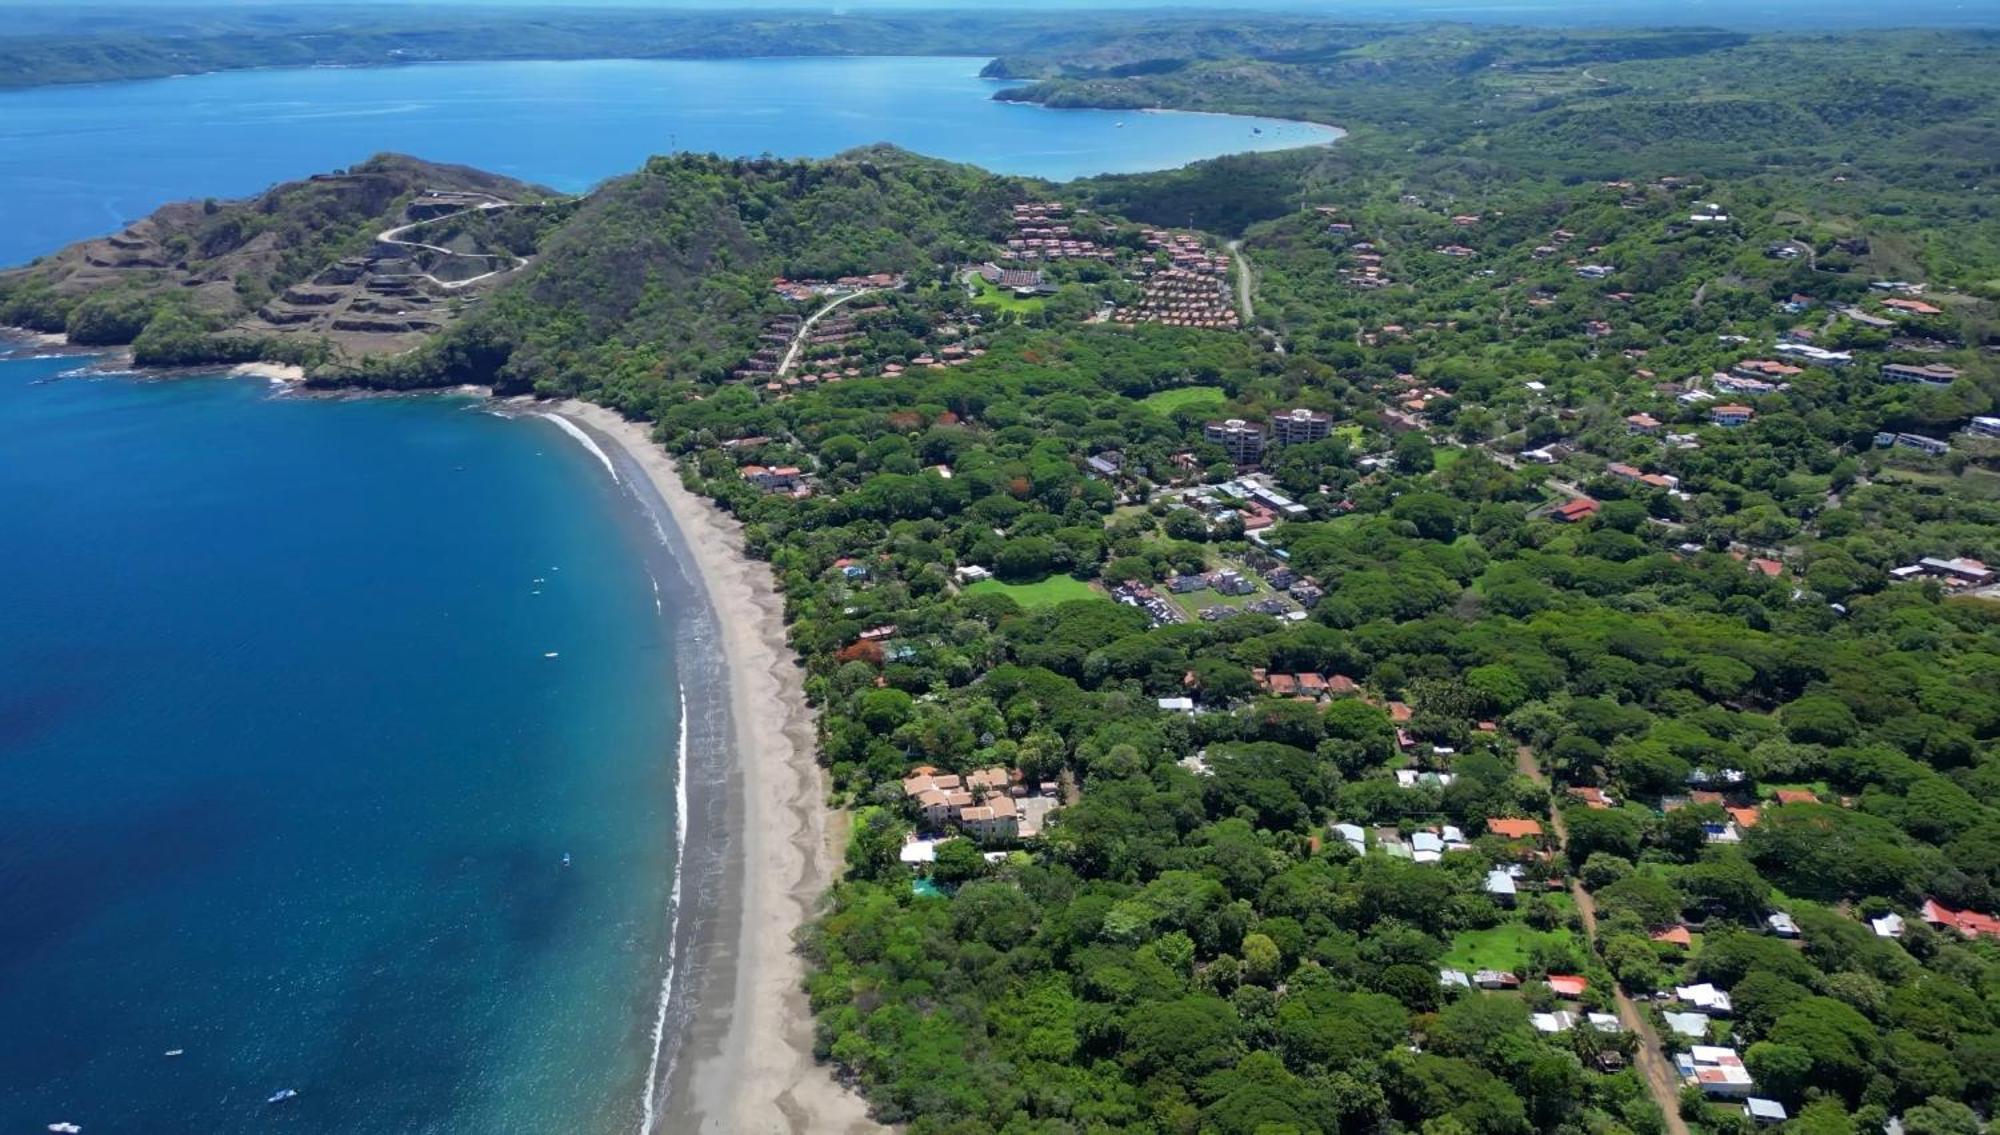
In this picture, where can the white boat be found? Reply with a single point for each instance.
(282, 1096)
(65, 1128)
(565, 858)
(175, 1051)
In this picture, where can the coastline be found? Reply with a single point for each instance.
(737, 1052)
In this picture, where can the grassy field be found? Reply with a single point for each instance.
(1167, 401)
(1046, 593)
(990, 296)
(1504, 947)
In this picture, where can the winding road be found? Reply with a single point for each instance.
(395, 237)
(805, 329)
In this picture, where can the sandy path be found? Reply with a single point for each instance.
(748, 1064)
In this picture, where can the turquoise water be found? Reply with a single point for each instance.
(79, 161)
(285, 779)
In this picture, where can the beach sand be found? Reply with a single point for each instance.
(746, 1063)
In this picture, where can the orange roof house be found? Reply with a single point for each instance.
(1568, 985)
(1744, 817)
(1675, 936)
(1573, 510)
(1515, 829)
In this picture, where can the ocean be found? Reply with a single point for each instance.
(303, 700)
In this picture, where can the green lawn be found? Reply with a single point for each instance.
(1046, 593)
(1447, 456)
(1167, 401)
(1504, 947)
(991, 296)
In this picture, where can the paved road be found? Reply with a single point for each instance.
(1243, 282)
(805, 329)
(1661, 1079)
(395, 236)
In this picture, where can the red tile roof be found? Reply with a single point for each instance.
(1515, 829)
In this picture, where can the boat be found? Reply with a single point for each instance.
(175, 1051)
(65, 1128)
(1120, 126)
(281, 1096)
(550, 654)
(565, 858)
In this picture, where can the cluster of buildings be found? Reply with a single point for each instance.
(805, 291)
(1182, 297)
(1318, 687)
(1245, 441)
(988, 805)
(1186, 251)
(1158, 607)
(1040, 233)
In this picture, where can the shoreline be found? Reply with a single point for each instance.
(738, 1051)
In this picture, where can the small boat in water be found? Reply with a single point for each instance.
(174, 1051)
(282, 1096)
(565, 858)
(65, 1128)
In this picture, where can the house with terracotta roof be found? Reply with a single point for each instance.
(1969, 923)
(1591, 796)
(1515, 828)
(1675, 936)
(1568, 986)
(1731, 415)
(1770, 568)
(1573, 510)
(1642, 424)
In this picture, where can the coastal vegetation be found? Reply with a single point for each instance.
(1603, 669)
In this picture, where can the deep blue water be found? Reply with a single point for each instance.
(285, 778)
(79, 161)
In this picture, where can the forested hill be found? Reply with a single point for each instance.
(295, 272)
(668, 272)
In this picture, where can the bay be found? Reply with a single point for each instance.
(83, 160)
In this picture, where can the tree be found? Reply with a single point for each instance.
(1941, 1115)
(1262, 963)
(1181, 1040)
(958, 861)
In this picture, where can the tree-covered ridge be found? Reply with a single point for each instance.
(665, 274)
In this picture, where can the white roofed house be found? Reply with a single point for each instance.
(1353, 836)
(1500, 885)
(1705, 998)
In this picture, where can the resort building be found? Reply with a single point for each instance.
(1242, 441)
(1296, 427)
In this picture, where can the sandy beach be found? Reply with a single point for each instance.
(746, 1062)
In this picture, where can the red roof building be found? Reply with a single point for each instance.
(1567, 985)
(1515, 829)
(1970, 923)
(1573, 510)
